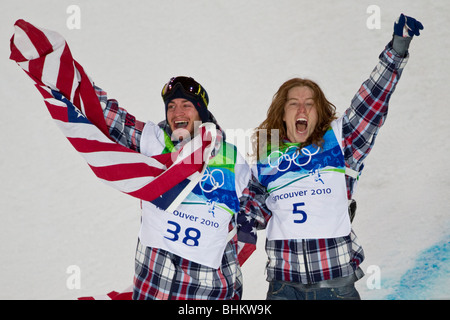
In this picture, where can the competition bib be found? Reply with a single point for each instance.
(307, 191)
(307, 210)
(197, 229)
(197, 232)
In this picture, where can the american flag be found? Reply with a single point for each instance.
(71, 99)
(72, 102)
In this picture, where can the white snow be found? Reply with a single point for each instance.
(55, 214)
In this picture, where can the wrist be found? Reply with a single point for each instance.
(401, 45)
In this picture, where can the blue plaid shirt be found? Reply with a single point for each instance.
(310, 261)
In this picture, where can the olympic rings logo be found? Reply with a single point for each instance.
(276, 158)
(215, 178)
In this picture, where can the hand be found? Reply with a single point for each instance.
(407, 27)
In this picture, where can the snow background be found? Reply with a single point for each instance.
(54, 213)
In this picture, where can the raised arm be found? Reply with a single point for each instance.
(123, 127)
(369, 107)
(74, 104)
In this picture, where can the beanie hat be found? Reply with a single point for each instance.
(187, 88)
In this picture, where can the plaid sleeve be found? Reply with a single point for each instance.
(123, 127)
(369, 108)
(253, 214)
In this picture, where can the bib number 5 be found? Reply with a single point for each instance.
(301, 214)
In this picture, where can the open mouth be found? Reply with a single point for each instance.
(301, 125)
(181, 124)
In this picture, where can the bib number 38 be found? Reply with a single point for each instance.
(191, 235)
(300, 214)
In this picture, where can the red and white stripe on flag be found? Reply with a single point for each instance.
(72, 102)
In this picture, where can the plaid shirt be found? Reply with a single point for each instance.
(309, 261)
(159, 274)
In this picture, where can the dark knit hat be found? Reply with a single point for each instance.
(189, 89)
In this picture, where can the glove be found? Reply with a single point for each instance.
(407, 27)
